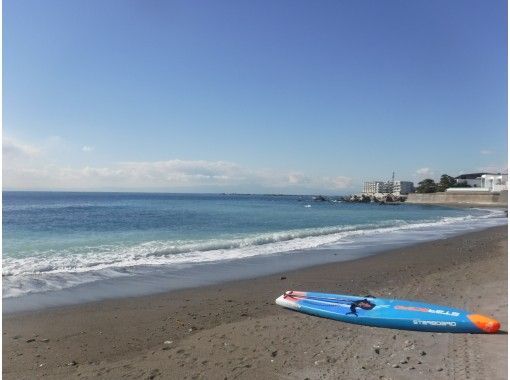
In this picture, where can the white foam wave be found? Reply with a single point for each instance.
(50, 270)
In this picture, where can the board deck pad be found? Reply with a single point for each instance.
(389, 313)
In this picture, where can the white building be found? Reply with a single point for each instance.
(380, 188)
(494, 182)
(481, 182)
(373, 187)
(403, 187)
(471, 179)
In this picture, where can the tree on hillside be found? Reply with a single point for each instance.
(445, 182)
(426, 186)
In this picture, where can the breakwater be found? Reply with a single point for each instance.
(485, 199)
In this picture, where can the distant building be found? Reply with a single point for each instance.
(373, 187)
(403, 187)
(472, 179)
(395, 188)
(481, 182)
(494, 182)
(485, 181)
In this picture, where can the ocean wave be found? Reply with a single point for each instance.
(53, 270)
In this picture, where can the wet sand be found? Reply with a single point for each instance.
(235, 330)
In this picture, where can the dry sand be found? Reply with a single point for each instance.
(235, 330)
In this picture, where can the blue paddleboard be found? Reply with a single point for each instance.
(390, 313)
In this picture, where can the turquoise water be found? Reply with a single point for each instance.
(54, 240)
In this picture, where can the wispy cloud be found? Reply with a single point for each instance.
(424, 173)
(486, 152)
(14, 150)
(162, 175)
(87, 148)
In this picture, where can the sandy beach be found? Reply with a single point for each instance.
(235, 330)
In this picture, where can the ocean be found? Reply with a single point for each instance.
(65, 247)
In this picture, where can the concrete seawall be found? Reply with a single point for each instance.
(485, 199)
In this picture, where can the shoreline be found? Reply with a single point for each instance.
(150, 280)
(233, 329)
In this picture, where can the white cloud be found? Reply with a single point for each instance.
(14, 150)
(53, 142)
(87, 148)
(424, 173)
(486, 152)
(199, 175)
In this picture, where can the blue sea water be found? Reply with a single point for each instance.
(54, 241)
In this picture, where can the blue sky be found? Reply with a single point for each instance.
(286, 96)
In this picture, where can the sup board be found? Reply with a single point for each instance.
(390, 313)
